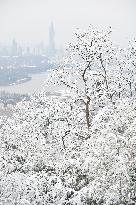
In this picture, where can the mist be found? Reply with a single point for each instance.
(28, 20)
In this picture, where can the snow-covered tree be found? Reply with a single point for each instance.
(76, 149)
(131, 67)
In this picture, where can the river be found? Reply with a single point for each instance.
(34, 85)
(29, 87)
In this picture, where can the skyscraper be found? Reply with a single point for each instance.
(14, 48)
(51, 48)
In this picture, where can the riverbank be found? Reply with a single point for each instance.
(28, 85)
(19, 81)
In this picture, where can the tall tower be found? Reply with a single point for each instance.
(51, 49)
(14, 47)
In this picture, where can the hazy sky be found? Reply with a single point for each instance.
(28, 20)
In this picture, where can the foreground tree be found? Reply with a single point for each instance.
(84, 72)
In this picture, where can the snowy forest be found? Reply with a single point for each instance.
(79, 148)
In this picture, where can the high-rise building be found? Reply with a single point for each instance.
(51, 47)
(14, 48)
(20, 51)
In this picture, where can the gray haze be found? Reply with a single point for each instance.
(28, 20)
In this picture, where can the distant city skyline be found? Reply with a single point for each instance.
(48, 49)
(28, 20)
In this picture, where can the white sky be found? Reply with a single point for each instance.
(28, 20)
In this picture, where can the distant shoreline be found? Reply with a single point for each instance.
(29, 84)
(17, 82)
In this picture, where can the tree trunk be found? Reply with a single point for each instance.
(87, 104)
(130, 86)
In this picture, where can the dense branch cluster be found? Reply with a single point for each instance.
(78, 148)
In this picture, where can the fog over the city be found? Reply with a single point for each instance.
(28, 20)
